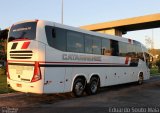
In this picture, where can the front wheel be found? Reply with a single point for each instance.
(78, 87)
(93, 86)
(140, 80)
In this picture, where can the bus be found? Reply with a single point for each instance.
(46, 57)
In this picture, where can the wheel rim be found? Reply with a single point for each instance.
(94, 86)
(79, 88)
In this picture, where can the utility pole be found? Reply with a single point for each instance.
(62, 13)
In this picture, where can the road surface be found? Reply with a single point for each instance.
(120, 98)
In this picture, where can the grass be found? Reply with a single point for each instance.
(3, 82)
(154, 71)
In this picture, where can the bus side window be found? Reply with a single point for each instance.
(56, 37)
(114, 48)
(123, 49)
(106, 50)
(88, 44)
(75, 42)
(96, 45)
(53, 33)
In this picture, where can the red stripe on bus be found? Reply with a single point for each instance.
(43, 62)
(127, 60)
(25, 45)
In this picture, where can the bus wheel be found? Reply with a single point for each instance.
(93, 86)
(78, 87)
(140, 80)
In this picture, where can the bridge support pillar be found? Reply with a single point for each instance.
(111, 32)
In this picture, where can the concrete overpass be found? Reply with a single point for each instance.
(120, 27)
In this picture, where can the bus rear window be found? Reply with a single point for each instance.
(23, 31)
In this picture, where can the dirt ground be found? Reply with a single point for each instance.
(120, 98)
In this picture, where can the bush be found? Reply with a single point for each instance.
(3, 70)
(158, 65)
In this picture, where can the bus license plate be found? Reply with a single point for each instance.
(19, 85)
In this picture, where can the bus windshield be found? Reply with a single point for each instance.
(23, 31)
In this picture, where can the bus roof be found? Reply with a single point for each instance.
(118, 38)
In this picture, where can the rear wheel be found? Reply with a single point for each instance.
(78, 87)
(93, 86)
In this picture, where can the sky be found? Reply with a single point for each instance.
(81, 12)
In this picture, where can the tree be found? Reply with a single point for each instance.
(158, 63)
(149, 43)
(4, 34)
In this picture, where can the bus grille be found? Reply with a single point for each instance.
(21, 54)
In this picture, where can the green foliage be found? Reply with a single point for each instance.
(3, 85)
(154, 71)
(3, 82)
(158, 63)
(1, 41)
(3, 70)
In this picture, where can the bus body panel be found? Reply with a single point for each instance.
(59, 69)
(36, 87)
(54, 80)
(22, 55)
(54, 75)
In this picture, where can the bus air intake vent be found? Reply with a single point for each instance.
(21, 54)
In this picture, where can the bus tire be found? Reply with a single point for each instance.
(78, 87)
(93, 86)
(140, 79)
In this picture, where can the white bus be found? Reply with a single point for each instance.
(45, 57)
